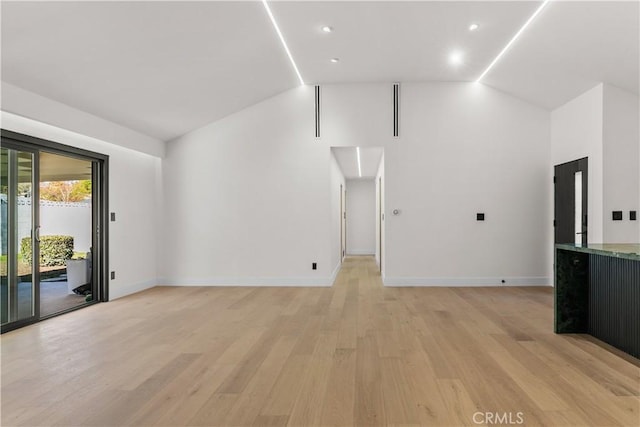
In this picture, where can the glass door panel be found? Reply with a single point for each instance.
(66, 233)
(18, 273)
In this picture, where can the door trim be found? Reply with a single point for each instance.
(344, 216)
(380, 222)
(340, 213)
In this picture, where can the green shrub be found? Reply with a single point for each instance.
(54, 250)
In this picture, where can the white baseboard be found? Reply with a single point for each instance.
(257, 281)
(122, 290)
(251, 281)
(467, 281)
(335, 273)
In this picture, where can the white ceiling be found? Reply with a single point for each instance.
(161, 68)
(571, 47)
(397, 41)
(348, 161)
(165, 68)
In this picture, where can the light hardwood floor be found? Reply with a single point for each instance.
(353, 354)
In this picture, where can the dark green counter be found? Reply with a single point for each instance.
(597, 292)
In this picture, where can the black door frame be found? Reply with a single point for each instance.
(565, 203)
(100, 212)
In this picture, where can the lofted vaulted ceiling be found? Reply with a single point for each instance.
(161, 68)
(570, 48)
(165, 68)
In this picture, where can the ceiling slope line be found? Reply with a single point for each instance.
(513, 39)
(282, 40)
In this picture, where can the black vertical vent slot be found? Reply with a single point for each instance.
(317, 111)
(396, 107)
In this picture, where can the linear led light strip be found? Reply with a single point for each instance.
(359, 167)
(284, 43)
(526, 24)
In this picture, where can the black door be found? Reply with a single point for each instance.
(570, 213)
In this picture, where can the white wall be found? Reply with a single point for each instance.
(464, 149)
(248, 200)
(133, 239)
(621, 156)
(337, 185)
(251, 199)
(361, 217)
(576, 132)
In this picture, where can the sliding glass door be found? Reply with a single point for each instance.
(53, 233)
(18, 235)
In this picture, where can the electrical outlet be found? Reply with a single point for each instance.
(113, 275)
(314, 266)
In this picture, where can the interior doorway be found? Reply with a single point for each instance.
(571, 182)
(361, 216)
(54, 234)
(360, 226)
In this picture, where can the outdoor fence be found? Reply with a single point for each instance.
(56, 218)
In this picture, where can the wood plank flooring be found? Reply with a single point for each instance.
(353, 354)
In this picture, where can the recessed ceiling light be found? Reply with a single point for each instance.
(455, 58)
(473, 27)
(334, 60)
(327, 29)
